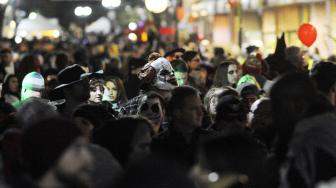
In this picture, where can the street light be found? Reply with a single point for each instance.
(3, 2)
(83, 11)
(111, 3)
(156, 6)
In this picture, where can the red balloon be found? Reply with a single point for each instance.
(307, 34)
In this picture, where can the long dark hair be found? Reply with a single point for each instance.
(221, 78)
(5, 87)
(121, 96)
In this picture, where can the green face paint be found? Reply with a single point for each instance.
(181, 78)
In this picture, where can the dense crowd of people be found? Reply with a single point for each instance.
(87, 115)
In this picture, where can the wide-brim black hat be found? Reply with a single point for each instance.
(174, 51)
(69, 76)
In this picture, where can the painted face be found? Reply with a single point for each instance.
(112, 89)
(181, 78)
(96, 94)
(233, 74)
(75, 165)
(152, 109)
(14, 85)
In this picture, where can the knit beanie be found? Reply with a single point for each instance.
(33, 81)
(44, 142)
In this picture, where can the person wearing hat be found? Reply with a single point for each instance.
(74, 88)
(174, 54)
(32, 87)
(54, 154)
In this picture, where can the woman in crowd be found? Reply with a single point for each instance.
(114, 92)
(10, 89)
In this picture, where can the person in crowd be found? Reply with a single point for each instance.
(227, 74)
(153, 108)
(128, 139)
(174, 54)
(311, 156)
(219, 56)
(210, 101)
(114, 92)
(81, 58)
(253, 66)
(29, 63)
(196, 77)
(157, 76)
(294, 55)
(180, 71)
(96, 91)
(61, 61)
(260, 122)
(74, 88)
(185, 111)
(6, 63)
(292, 95)
(55, 155)
(233, 159)
(324, 75)
(10, 89)
(32, 87)
(230, 114)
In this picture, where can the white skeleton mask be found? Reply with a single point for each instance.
(233, 74)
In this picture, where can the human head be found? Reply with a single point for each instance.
(185, 107)
(192, 59)
(227, 73)
(295, 56)
(127, 138)
(53, 145)
(10, 85)
(32, 86)
(174, 54)
(231, 113)
(252, 66)
(6, 56)
(181, 71)
(61, 61)
(81, 57)
(115, 90)
(153, 108)
(211, 100)
(324, 75)
(96, 91)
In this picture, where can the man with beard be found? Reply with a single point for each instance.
(55, 155)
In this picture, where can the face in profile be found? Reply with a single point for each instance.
(112, 90)
(233, 74)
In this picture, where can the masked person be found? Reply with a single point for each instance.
(227, 74)
(181, 71)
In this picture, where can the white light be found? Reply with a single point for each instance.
(205, 42)
(18, 39)
(111, 3)
(156, 6)
(132, 26)
(83, 11)
(22, 33)
(204, 13)
(12, 24)
(213, 177)
(32, 15)
(3, 2)
(132, 37)
(56, 34)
